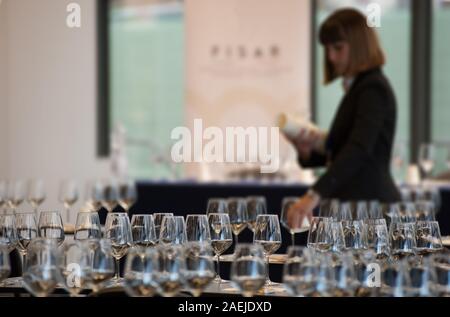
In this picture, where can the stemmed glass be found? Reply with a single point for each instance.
(43, 267)
(198, 270)
(158, 219)
(141, 269)
(248, 270)
(441, 264)
(88, 226)
(355, 234)
(51, 226)
(320, 236)
(76, 267)
(5, 265)
(216, 205)
(427, 154)
(110, 195)
(221, 236)
(127, 195)
(101, 261)
(425, 210)
(68, 195)
(378, 238)
(16, 194)
(403, 239)
(173, 230)
(27, 230)
(3, 195)
(286, 204)
(171, 264)
(94, 195)
(237, 211)
(268, 235)
(428, 237)
(299, 271)
(197, 228)
(8, 232)
(143, 230)
(118, 231)
(36, 194)
(256, 205)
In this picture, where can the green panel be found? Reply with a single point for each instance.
(147, 86)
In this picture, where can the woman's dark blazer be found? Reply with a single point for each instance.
(359, 143)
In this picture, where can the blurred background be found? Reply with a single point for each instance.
(102, 99)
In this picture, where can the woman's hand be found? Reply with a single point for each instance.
(304, 143)
(301, 209)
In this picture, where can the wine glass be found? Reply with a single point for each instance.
(320, 236)
(158, 218)
(428, 237)
(248, 270)
(359, 210)
(27, 230)
(423, 278)
(268, 235)
(8, 232)
(396, 280)
(237, 211)
(143, 230)
(173, 230)
(221, 236)
(3, 195)
(141, 269)
(94, 195)
(51, 226)
(427, 153)
(127, 195)
(425, 210)
(344, 274)
(68, 195)
(286, 204)
(355, 234)
(344, 211)
(101, 261)
(198, 270)
(88, 226)
(75, 267)
(299, 271)
(16, 194)
(375, 210)
(402, 238)
(42, 270)
(36, 193)
(441, 264)
(171, 264)
(216, 205)
(256, 205)
(110, 195)
(378, 238)
(118, 231)
(5, 265)
(197, 228)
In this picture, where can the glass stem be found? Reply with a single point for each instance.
(236, 242)
(117, 276)
(24, 259)
(293, 238)
(218, 268)
(68, 215)
(267, 265)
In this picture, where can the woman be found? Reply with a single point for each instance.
(358, 146)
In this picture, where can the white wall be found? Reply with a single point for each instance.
(52, 94)
(3, 93)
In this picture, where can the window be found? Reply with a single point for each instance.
(395, 39)
(146, 80)
(440, 112)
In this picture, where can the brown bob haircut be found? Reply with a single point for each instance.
(350, 25)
